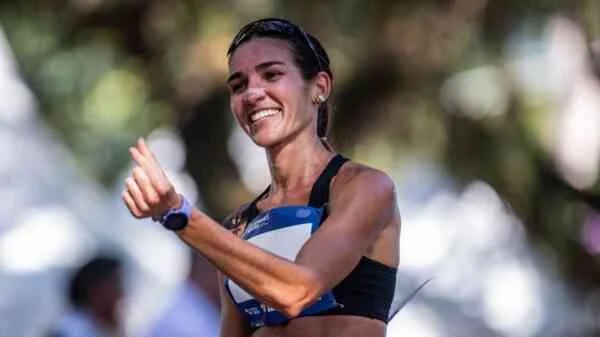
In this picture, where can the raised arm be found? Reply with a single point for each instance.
(360, 207)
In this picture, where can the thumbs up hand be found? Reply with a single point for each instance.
(148, 192)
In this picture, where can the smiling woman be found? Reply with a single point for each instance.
(316, 253)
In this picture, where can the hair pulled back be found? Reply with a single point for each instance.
(308, 53)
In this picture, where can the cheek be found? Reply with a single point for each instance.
(303, 102)
(291, 94)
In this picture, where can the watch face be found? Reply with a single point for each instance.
(176, 221)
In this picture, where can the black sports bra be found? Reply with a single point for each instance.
(367, 291)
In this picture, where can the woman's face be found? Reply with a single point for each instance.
(269, 97)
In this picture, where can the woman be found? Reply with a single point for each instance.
(316, 253)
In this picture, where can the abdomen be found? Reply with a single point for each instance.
(326, 326)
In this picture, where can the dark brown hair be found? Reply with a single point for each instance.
(309, 55)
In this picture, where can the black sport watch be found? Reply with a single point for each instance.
(177, 218)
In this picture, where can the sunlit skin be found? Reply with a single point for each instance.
(363, 218)
(263, 75)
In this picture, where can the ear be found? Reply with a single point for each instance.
(322, 85)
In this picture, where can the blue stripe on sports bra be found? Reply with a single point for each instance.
(367, 291)
(282, 231)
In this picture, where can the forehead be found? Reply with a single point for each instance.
(258, 51)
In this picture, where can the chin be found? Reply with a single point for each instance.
(265, 140)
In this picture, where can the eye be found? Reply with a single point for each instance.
(237, 87)
(272, 75)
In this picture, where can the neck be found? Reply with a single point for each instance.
(286, 172)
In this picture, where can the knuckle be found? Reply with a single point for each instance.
(162, 190)
(138, 172)
(135, 175)
(153, 200)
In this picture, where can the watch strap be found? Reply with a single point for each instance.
(185, 209)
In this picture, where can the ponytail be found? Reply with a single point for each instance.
(322, 124)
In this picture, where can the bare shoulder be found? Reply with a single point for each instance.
(367, 197)
(358, 185)
(356, 177)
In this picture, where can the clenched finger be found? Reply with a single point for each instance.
(152, 169)
(137, 195)
(147, 163)
(145, 185)
(131, 206)
(145, 150)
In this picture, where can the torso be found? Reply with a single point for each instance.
(326, 326)
(384, 249)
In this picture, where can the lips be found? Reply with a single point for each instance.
(261, 114)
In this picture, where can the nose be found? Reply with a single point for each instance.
(254, 95)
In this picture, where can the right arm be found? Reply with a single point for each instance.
(359, 210)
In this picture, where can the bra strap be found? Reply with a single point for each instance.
(252, 211)
(319, 195)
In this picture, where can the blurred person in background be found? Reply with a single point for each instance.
(95, 291)
(316, 254)
(193, 311)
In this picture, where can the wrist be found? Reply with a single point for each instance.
(175, 201)
(177, 217)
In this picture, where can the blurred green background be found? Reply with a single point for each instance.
(440, 93)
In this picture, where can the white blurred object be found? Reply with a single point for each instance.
(187, 305)
(168, 147)
(557, 73)
(512, 301)
(566, 54)
(43, 238)
(477, 93)
(250, 160)
(415, 320)
(485, 223)
(474, 249)
(577, 126)
(425, 241)
(577, 148)
(16, 101)
(53, 217)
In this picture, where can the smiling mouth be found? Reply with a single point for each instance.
(262, 114)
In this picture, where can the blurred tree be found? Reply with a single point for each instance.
(106, 72)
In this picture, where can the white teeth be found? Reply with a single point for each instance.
(262, 114)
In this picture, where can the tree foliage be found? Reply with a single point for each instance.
(105, 72)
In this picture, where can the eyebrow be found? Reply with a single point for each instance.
(260, 66)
